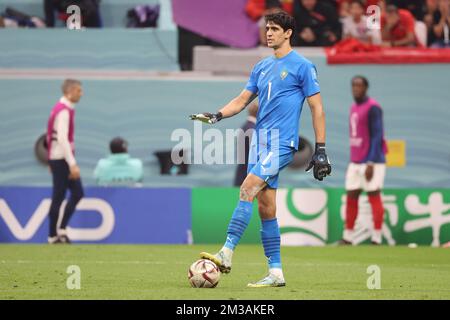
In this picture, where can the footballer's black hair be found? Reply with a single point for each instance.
(363, 79)
(283, 19)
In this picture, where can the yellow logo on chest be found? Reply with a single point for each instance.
(283, 74)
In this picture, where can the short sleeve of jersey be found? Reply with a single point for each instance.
(308, 80)
(252, 84)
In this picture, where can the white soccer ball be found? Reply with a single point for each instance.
(203, 274)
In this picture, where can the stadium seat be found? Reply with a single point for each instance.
(420, 29)
(113, 11)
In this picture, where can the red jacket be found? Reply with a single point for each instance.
(255, 8)
(402, 28)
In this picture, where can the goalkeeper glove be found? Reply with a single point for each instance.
(320, 162)
(207, 117)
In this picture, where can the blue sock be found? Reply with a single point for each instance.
(238, 224)
(270, 236)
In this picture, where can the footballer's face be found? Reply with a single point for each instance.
(74, 93)
(359, 89)
(276, 36)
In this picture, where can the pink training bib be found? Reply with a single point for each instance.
(51, 132)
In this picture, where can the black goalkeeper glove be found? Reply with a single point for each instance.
(320, 162)
(207, 117)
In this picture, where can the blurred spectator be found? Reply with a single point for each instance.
(118, 167)
(355, 25)
(287, 5)
(13, 18)
(90, 12)
(6, 22)
(430, 8)
(317, 23)
(416, 7)
(143, 16)
(343, 6)
(241, 170)
(440, 29)
(397, 27)
(256, 9)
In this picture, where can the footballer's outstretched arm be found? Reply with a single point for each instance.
(318, 117)
(238, 104)
(230, 109)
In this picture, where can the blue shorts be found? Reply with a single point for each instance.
(267, 163)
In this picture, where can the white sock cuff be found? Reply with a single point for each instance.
(227, 251)
(348, 235)
(377, 236)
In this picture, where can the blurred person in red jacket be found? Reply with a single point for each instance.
(416, 7)
(397, 27)
(256, 9)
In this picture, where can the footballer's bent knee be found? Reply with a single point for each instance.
(249, 192)
(251, 186)
(246, 194)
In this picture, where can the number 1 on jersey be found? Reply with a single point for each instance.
(270, 88)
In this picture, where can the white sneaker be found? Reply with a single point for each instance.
(222, 260)
(54, 240)
(269, 281)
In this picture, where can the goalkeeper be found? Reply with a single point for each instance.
(282, 82)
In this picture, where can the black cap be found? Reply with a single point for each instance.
(118, 145)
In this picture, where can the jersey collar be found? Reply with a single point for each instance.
(67, 102)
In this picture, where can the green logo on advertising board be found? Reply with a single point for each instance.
(316, 216)
(419, 216)
(302, 216)
(434, 214)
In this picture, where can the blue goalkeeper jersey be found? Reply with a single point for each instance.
(282, 86)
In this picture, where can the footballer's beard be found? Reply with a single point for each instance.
(273, 45)
(277, 44)
(360, 98)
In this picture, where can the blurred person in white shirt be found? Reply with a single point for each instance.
(355, 25)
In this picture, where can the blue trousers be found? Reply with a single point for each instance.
(61, 182)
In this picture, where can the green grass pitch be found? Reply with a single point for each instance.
(160, 272)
